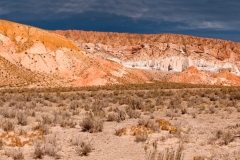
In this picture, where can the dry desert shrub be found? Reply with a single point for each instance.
(22, 118)
(227, 137)
(12, 103)
(83, 148)
(16, 154)
(74, 105)
(8, 113)
(133, 113)
(46, 119)
(222, 137)
(121, 131)
(68, 122)
(48, 147)
(117, 116)
(45, 129)
(38, 150)
(92, 124)
(7, 125)
(154, 126)
(51, 146)
(142, 137)
(1, 144)
(112, 117)
(198, 158)
(168, 154)
(164, 124)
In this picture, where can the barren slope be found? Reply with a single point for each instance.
(160, 52)
(41, 53)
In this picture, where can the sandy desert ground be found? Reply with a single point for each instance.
(154, 122)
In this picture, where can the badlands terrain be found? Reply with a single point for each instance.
(32, 57)
(102, 96)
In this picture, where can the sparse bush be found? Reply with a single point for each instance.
(92, 124)
(167, 154)
(38, 150)
(118, 117)
(22, 118)
(83, 148)
(1, 144)
(45, 129)
(8, 113)
(68, 122)
(48, 147)
(51, 147)
(227, 137)
(12, 103)
(133, 113)
(142, 137)
(184, 110)
(46, 119)
(7, 125)
(111, 117)
(121, 132)
(16, 154)
(74, 105)
(149, 124)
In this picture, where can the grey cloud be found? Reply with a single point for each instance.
(204, 14)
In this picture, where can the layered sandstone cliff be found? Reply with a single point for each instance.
(165, 52)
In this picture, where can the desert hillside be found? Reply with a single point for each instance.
(161, 52)
(36, 57)
(32, 57)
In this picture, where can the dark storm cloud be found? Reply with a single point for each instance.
(213, 14)
(142, 16)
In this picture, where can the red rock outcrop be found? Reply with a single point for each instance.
(194, 76)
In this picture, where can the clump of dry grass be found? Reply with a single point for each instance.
(49, 147)
(142, 137)
(83, 148)
(133, 113)
(38, 150)
(121, 131)
(1, 144)
(92, 124)
(7, 125)
(151, 124)
(22, 118)
(45, 129)
(117, 116)
(16, 154)
(168, 154)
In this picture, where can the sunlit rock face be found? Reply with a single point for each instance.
(31, 55)
(165, 52)
(34, 57)
(160, 52)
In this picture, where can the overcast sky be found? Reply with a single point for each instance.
(205, 18)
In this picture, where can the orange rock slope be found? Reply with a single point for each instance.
(164, 52)
(194, 76)
(33, 57)
(43, 58)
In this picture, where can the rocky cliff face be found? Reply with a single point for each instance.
(166, 52)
